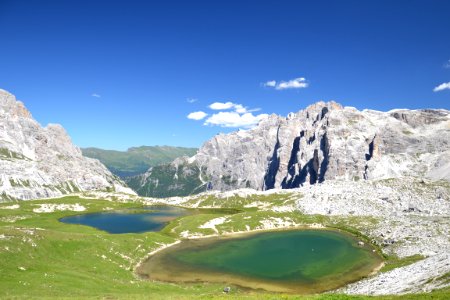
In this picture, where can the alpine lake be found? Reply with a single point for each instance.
(289, 261)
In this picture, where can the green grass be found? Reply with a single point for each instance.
(243, 202)
(8, 154)
(42, 257)
(393, 262)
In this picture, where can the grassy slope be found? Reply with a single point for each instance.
(137, 160)
(62, 260)
(167, 180)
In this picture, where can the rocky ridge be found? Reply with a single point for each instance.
(42, 162)
(325, 141)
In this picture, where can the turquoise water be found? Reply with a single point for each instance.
(291, 261)
(152, 218)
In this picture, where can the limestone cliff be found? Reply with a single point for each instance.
(37, 162)
(326, 141)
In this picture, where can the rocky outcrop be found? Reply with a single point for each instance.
(37, 162)
(329, 142)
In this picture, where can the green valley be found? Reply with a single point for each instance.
(136, 160)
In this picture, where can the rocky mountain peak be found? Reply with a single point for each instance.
(37, 162)
(9, 105)
(320, 108)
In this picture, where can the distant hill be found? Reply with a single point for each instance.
(136, 160)
(179, 178)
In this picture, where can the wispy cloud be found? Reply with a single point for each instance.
(447, 64)
(96, 95)
(296, 83)
(191, 100)
(441, 87)
(197, 115)
(271, 83)
(234, 119)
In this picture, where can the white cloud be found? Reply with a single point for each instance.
(239, 108)
(221, 105)
(235, 115)
(191, 100)
(297, 83)
(441, 87)
(96, 95)
(234, 119)
(198, 115)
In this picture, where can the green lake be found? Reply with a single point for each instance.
(295, 261)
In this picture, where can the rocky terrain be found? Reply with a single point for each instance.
(405, 217)
(41, 162)
(323, 142)
(413, 218)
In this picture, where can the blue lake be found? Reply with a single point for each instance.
(151, 218)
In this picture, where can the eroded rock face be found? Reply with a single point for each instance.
(37, 162)
(329, 142)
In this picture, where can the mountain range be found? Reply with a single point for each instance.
(325, 141)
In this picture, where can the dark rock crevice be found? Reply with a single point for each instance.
(325, 148)
(371, 145)
(369, 156)
(272, 169)
(293, 161)
(311, 169)
(314, 167)
(324, 112)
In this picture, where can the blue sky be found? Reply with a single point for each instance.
(117, 74)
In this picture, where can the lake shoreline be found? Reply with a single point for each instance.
(248, 233)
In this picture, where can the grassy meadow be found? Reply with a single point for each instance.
(41, 257)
